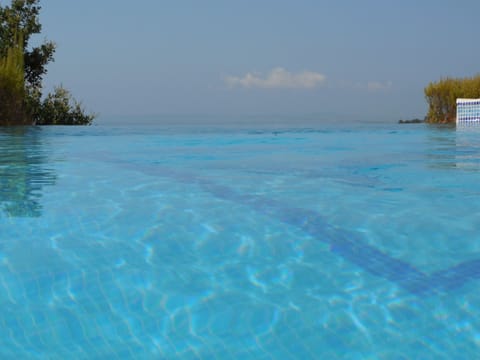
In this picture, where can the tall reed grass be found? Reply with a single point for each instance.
(12, 85)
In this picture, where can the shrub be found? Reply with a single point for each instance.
(60, 108)
(442, 97)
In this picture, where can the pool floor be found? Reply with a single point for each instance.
(351, 241)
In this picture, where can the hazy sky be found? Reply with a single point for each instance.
(356, 58)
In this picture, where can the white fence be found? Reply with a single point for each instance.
(468, 110)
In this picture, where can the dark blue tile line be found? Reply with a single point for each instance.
(455, 276)
(345, 244)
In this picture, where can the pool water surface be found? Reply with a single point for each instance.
(327, 241)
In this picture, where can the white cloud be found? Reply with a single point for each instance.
(278, 78)
(378, 86)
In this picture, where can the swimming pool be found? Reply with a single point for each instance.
(324, 241)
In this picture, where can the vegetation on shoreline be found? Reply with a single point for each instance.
(22, 69)
(442, 97)
(411, 121)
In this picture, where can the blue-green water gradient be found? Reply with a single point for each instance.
(317, 241)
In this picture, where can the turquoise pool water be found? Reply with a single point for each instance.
(326, 241)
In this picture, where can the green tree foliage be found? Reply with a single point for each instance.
(442, 97)
(12, 86)
(59, 108)
(22, 17)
